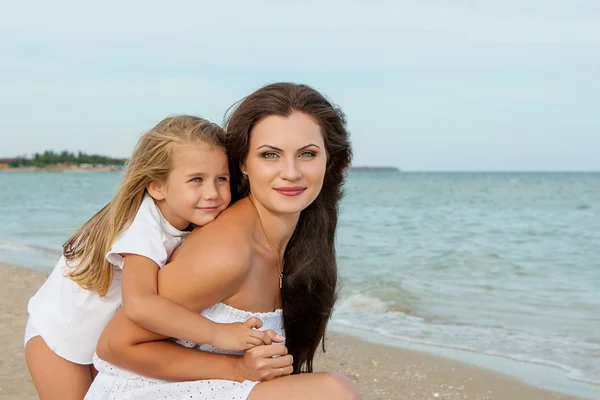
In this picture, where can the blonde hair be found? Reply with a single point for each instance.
(152, 160)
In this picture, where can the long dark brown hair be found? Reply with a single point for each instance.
(310, 278)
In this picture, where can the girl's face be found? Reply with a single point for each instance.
(286, 162)
(197, 188)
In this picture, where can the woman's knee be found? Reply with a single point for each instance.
(341, 387)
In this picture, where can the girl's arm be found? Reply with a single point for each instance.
(163, 359)
(143, 306)
(204, 273)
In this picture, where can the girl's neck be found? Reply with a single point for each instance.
(172, 219)
(279, 228)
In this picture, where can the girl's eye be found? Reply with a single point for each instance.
(269, 155)
(222, 179)
(196, 180)
(308, 154)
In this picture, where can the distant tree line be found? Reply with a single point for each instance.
(49, 157)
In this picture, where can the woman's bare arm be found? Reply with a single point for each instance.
(205, 272)
(159, 358)
(163, 359)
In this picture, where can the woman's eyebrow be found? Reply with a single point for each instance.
(278, 149)
(308, 145)
(269, 146)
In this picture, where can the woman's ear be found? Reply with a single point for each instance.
(243, 168)
(157, 190)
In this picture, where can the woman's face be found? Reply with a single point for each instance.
(286, 162)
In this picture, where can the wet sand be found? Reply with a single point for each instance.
(380, 372)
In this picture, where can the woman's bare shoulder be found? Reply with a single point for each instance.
(212, 264)
(228, 236)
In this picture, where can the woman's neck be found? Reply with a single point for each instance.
(278, 228)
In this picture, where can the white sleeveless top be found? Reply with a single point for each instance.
(113, 382)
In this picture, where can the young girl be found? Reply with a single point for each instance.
(178, 175)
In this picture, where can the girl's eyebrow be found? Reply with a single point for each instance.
(195, 174)
(278, 149)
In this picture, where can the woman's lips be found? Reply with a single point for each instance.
(291, 190)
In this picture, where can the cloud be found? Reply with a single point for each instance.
(421, 77)
(507, 21)
(311, 35)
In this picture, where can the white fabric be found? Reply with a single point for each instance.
(115, 383)
(70, 319)
(149, 235)
(30, 331)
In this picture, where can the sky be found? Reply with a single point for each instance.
(426, 85)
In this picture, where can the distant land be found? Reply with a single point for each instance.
(64, 161)
(375, 169)
(67, 161)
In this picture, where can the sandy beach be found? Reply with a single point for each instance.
(380, 372)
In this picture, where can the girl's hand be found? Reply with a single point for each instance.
(243, 335)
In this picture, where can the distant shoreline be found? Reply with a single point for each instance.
(353, 169)
(110, 168)
(375, 169)
(62, 168)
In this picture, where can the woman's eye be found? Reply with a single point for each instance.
(269, 155)
(308, 154)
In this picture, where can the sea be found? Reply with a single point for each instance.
(499, 269)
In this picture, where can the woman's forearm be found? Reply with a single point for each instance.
(126, 345)
(167, 360)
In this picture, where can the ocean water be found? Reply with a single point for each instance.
(503, 264)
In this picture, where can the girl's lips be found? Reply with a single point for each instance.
(291, 191)
(209, 208)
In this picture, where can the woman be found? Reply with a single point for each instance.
(271, 253)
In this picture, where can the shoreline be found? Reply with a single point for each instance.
(379, 371)
(61, 168)
(539, 375)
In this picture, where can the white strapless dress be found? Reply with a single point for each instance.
(113, 382)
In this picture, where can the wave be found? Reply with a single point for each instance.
(51, 253)
(572, 355)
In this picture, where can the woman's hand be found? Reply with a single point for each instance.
(263, 363)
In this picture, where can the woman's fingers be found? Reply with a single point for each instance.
(280, 366)
(282, 362)
(284, 371)
(272, 350)
(266, 362)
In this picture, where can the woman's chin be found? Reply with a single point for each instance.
(282, 204)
